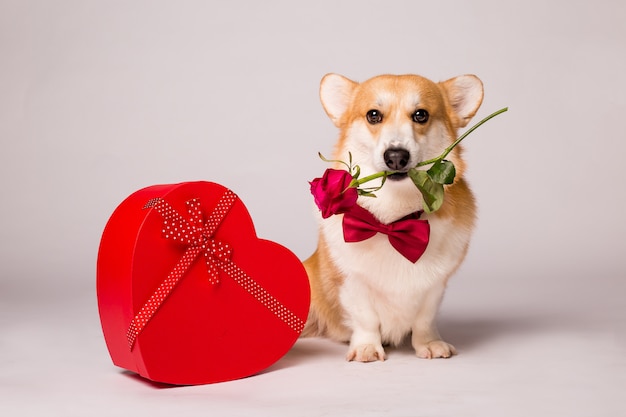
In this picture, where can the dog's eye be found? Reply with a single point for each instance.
(374, 116)
(420, 116)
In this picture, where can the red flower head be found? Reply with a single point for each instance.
(332, 192)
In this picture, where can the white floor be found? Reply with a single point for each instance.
(521, 353)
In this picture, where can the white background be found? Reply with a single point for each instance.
(101, 98)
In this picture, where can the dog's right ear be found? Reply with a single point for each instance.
(336, 94)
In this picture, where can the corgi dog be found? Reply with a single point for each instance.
(366, 293)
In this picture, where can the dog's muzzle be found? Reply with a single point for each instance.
(397, 159)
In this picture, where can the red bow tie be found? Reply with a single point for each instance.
(409, 235)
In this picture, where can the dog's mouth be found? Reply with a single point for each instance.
(397, 176)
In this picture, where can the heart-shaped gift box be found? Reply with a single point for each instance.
(187, 292)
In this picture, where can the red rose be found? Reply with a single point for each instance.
(332, 192)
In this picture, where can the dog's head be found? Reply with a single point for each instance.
(392, 122)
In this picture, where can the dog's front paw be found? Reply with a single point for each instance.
(366, 353)
(435, 349)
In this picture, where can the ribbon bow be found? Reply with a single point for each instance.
(409, 235)
(196, 233)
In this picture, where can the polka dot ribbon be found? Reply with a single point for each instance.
(196, 235)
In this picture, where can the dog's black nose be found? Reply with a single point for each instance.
(396, 158)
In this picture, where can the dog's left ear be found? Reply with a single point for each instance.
(335, 94)
(465, 95)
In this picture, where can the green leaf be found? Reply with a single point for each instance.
(443, 172)
(366, 193)
(432, 192)
(323, 158)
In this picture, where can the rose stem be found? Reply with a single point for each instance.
(463, 136)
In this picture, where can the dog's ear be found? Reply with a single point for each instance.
(335, 94)
(465, 95)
